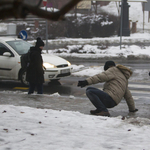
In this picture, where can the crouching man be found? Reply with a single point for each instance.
(115, 88)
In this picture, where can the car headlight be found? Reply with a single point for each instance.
(48, 65)
(69, 64)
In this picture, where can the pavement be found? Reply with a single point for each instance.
(72, 103)
(72, 98)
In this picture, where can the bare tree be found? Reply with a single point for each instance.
(19, 9)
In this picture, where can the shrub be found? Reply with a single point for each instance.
(86, 26)
(89, 26)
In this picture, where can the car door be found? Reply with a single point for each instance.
(7, 63)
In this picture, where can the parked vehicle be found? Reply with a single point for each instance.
(10, 68)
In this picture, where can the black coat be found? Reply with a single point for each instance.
(35, 72)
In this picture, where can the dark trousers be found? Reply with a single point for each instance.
(32, 87)
(100, 99)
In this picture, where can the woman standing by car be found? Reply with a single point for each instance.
(35, 72)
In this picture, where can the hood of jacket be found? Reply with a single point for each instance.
(126, 71)
(35, 49)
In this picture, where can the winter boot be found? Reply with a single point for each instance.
(93, 112)
(103, 113)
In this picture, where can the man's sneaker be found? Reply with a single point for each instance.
(93, 112)
(103, 113)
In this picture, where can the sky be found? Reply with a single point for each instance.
(26, 128)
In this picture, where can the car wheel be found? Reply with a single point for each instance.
(23, 78)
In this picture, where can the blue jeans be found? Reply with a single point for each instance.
(100, 99)
(32, 88)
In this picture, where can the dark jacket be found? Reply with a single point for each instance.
(116, 84)
(35, 72)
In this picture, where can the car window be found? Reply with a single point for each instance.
(4, 49)
(20, 46)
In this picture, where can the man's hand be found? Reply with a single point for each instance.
(82, 83)
(133, 110)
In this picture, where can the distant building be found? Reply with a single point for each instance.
(60, 3)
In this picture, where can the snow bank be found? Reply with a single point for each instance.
(25, 128)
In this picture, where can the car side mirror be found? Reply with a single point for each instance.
(7, 54)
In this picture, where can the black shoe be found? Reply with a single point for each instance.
(93, 112)
(103, 113)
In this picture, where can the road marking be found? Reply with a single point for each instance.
(142, 92)
(139, 86)
(20, 88)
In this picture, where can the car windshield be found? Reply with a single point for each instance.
(20, 46)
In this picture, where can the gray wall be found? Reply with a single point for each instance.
(147, 6)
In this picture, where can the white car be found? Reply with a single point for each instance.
(10, 67)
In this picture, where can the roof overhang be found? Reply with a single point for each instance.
(118, 0)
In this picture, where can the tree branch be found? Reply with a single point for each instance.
(17, 9)
(39, 3)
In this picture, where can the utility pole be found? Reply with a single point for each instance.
(124, 21)
(125, 18)
(45, 4)
(46, 33)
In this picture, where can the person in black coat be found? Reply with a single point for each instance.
(35, 72)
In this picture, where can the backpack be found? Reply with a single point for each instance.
(25, 60)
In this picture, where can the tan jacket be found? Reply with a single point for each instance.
(116, 84)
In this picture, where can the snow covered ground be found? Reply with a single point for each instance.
(25, 128)
(97, 47)
(111, 53)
